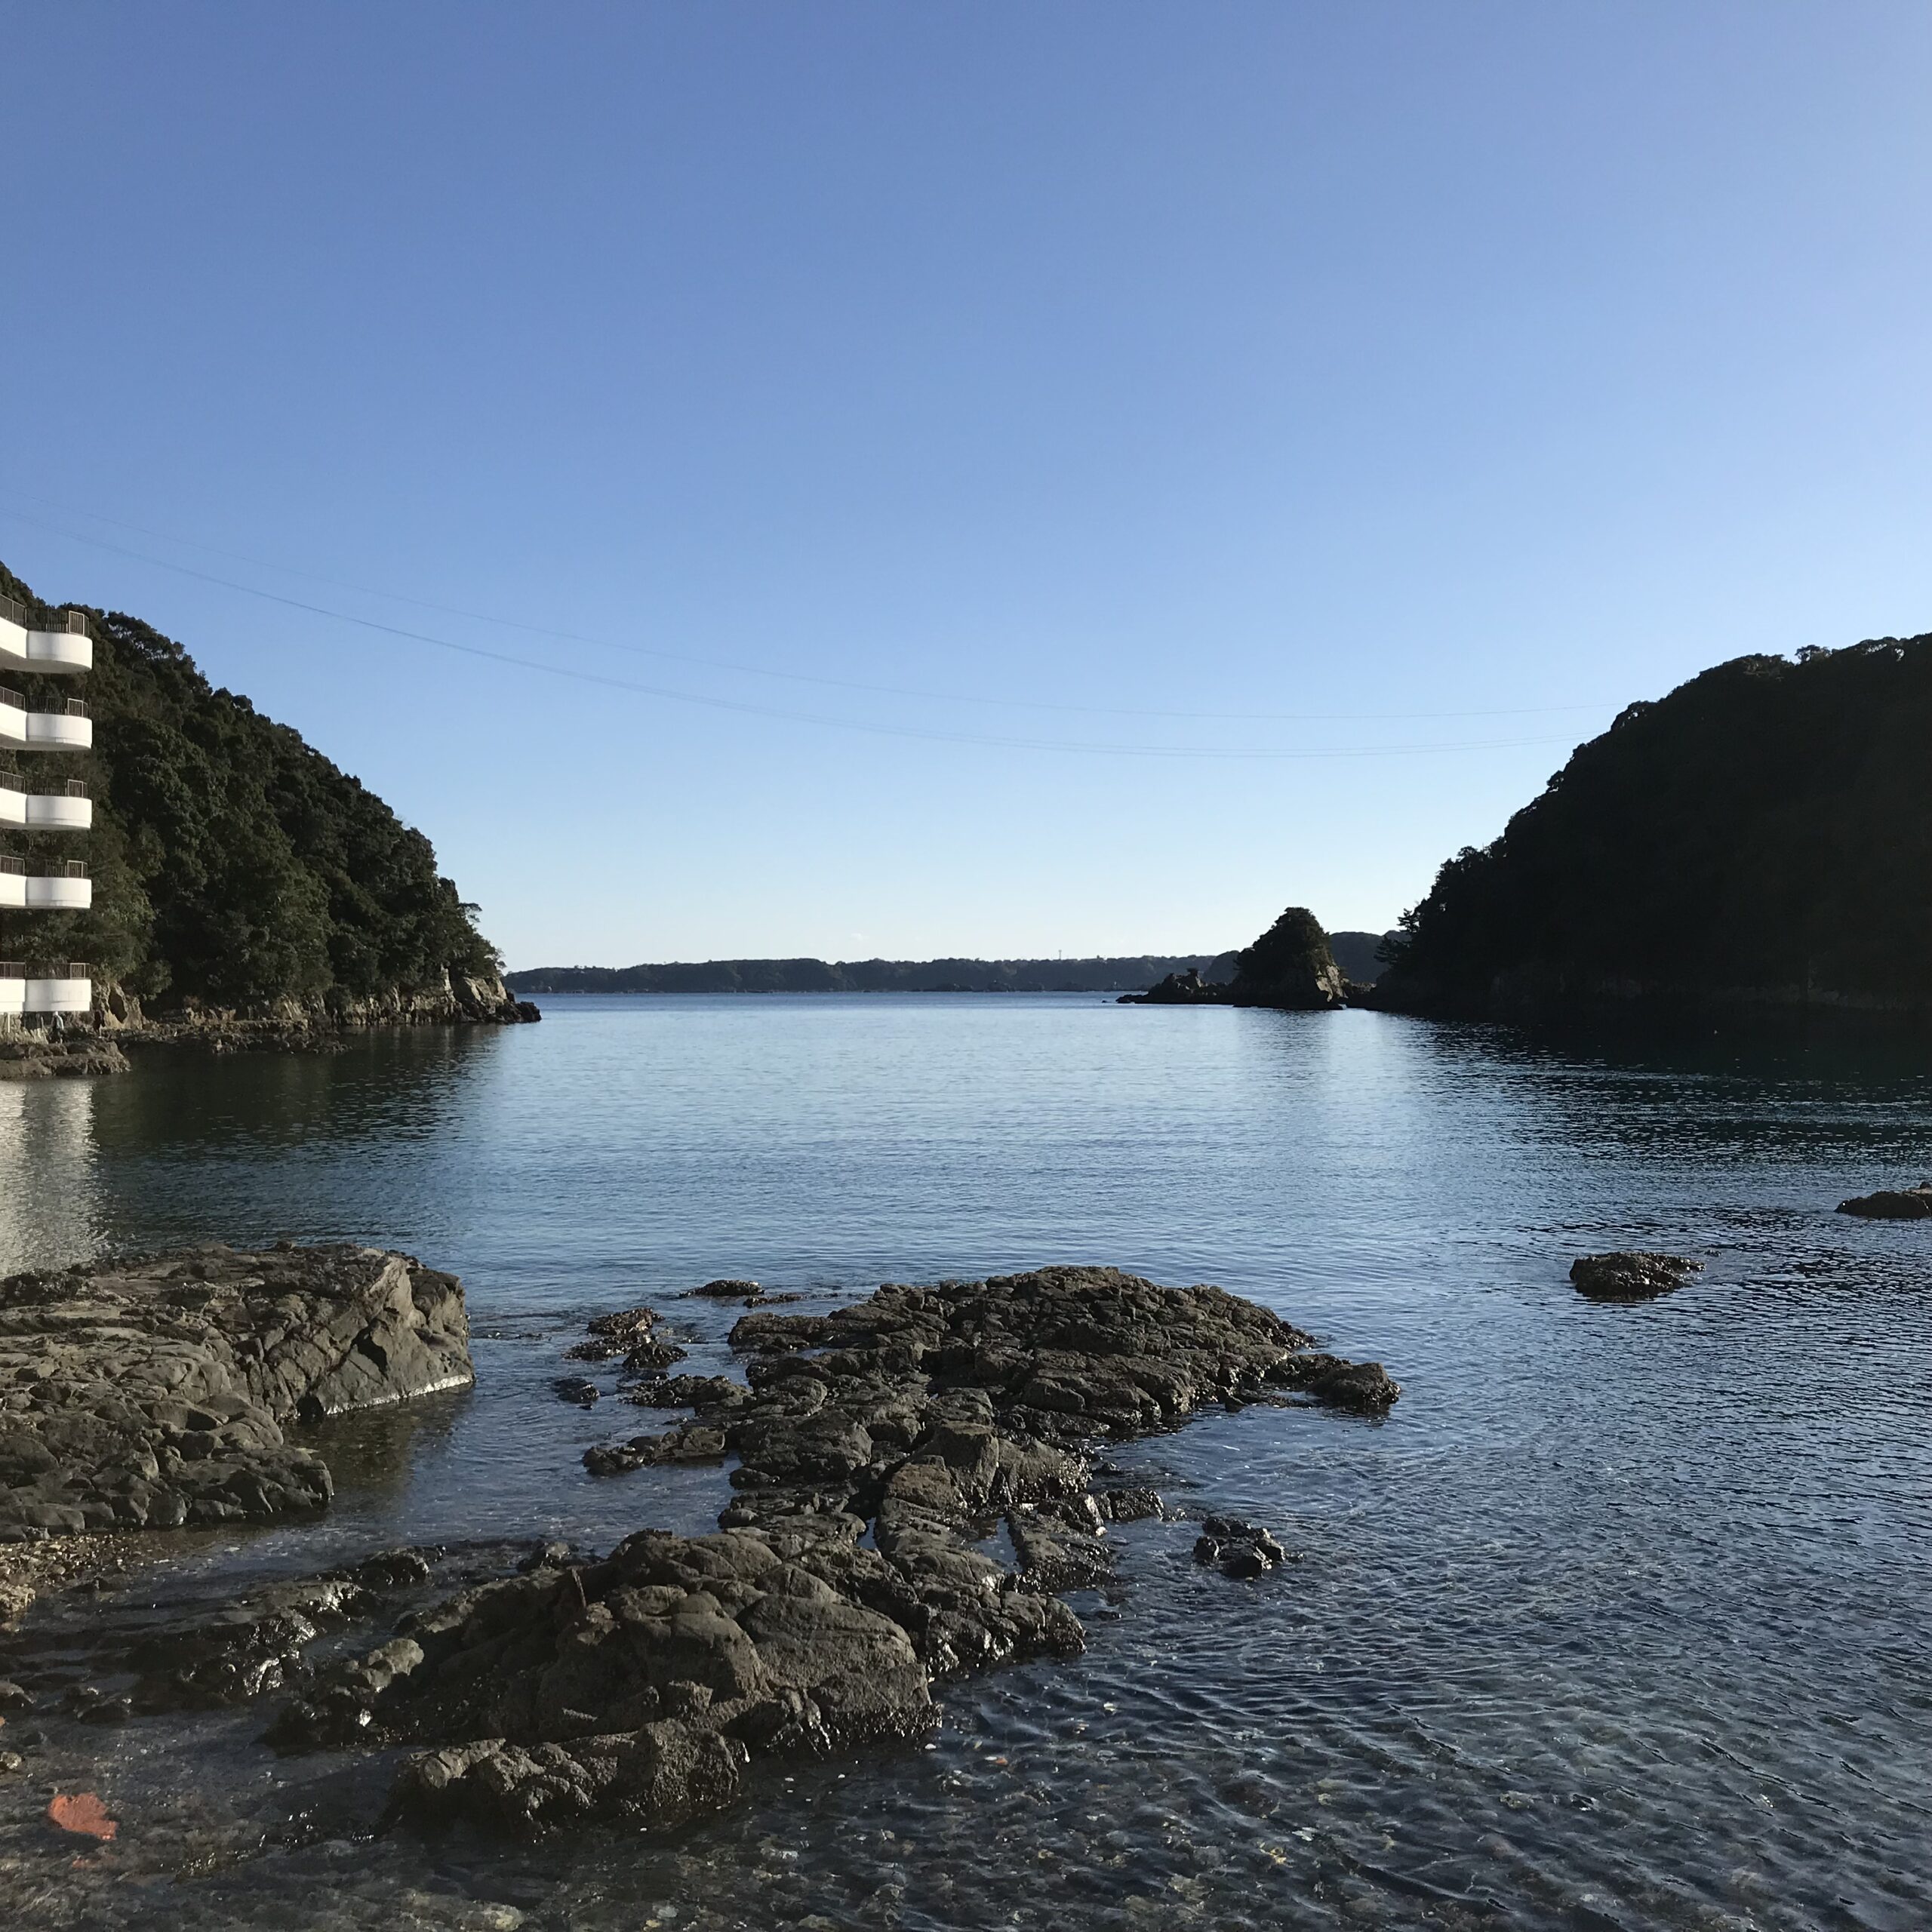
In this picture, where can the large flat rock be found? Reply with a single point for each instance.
(154, 1391)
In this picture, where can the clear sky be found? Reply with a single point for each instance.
(983, 407)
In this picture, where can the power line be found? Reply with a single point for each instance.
(1061, 746)
(766, 671)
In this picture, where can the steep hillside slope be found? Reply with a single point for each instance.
(1761, 839)
(236, 867)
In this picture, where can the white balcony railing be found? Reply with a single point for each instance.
(68, 729)
(67, 888)
(59, 646)
(65, 988)
(64, 994)
(68, 810)
(56, 811)
(58, 895)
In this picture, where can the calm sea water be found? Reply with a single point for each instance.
(1620, 1619)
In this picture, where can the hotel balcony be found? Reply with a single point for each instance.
(66, 809)
(66, 888)
(68, 988)
(69, 729)
(63, 650)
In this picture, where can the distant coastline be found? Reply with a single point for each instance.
(1133, 972)
(862, 975)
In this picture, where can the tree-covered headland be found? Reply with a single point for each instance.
(234, 865)
(1760, 840)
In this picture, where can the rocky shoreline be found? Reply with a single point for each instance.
(120, 1021)
(918, 1478)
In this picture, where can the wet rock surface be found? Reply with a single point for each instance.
(1237, 1548)
(1631, 1276)
(878, 1448)
(1901, 1204)
(154, 1391)
(631, 1333)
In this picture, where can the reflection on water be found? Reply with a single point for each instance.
(1618, 1621)
(47, 1173)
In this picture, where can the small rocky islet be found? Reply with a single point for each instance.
(916, 1481)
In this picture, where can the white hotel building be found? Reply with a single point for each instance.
(32, 801)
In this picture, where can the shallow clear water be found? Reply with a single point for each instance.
(1620, 1620)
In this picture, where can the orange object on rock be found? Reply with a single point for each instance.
(82, 1812)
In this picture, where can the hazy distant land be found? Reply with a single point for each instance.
(1355, 953)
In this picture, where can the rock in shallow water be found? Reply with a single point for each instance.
(1630, 1276)
(1237, 1549)
(646, 1684)
(153, 1391)
(729, 1290)
(1901, 1204)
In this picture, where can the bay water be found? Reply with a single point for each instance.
(1620, 1619)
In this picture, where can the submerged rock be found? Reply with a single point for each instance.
(878, 1447)
(684, 1392)
(690, 1443)
(154, 1391)
(1630, 1276)
(1903, 1203)
(252, 1648)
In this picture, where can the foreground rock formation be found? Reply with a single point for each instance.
(879, 1447)
(154, 1392)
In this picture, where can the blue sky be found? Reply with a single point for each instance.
(1105, 471)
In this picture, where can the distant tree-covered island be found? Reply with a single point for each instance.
(1354, 952)
(1759, 842)
(236, 869)
(864, 976)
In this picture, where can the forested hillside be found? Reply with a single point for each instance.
(233, 863)
(1761, 838)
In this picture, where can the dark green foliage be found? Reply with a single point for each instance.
(1359, 955)
(233, 863)
(1289, 965)
(1763, 833)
